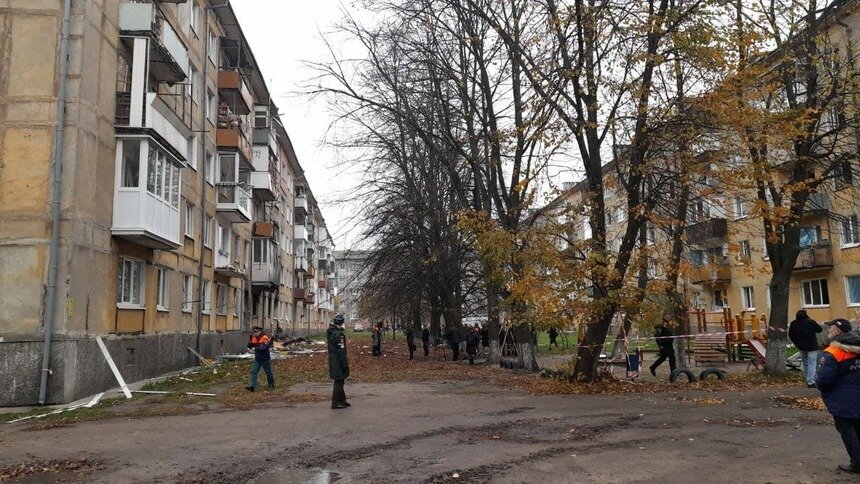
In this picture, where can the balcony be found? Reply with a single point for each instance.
(151, 115)
(310, 273)
(224, 265)
(303, 294)
(322, 283)
(265, 138)
(819, 256)
(264, 188)
(300, 264)
(709, 231)
(232, 133)
(300, 204)
(710, 274)
(266, 275)
(168, 57)
(234, 203)
(300, 233)
(233, 90)
(264, 229)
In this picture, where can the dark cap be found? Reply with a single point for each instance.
(256, 328)
(840, 323)
(338, 320)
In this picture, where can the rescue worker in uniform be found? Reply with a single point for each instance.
(838, 379)
(410, 340)
(425, 341)
(260, 343)
(338, 365)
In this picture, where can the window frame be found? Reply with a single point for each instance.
(748, 300)
(823, 290)
(187, 305)
(162, 289)
(848, 301)
(206, 303)
(850, 224)
(190, 214)
(141, 284)
(221, 293)
(740, 208)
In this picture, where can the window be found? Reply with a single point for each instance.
(718, 300)
(261, 117)
(221, 296)
(189, 219)
(619, 214)
(162, 178)
(697, 258)
(207, 297)
(610, 219)
(211, 107)
(207, 231)
(651, 236)
(740, 208)
(767, 295)
(163, 291)
(195, 17)
(852, 288)
(815, 293)
(745, 251)
(237, 302)
(213, 41)
(235, 248)
(223, 241)
(187, 293)
(748, 298)
(850, 231)
(844, 175)
(130, 163)
(809, 236)
(129, 284)
(586, 230)
(209, 167)
(192, 152)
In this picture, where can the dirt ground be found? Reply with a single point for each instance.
(469, 430)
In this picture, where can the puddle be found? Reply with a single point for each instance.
(298, 476)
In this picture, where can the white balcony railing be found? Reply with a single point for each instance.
(166, 123)
(234, 202)
(265, 273)
(301, 203)
(261, 182)
(300, 233)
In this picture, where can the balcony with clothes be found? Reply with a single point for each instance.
(266, 267)
(709, 267)
(233, 133)
(814, 254)
(142, 23)
(225, 248)
(233, 188)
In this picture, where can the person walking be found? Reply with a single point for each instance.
(553, 337)
(453, 337)
(410, 340)
(473, 340)
(338, 364)
(665, 338)
(376, 339)
(802, 332)
(425, 341)
(260, 343)
(838, 380)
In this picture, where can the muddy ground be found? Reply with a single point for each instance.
(428, 432)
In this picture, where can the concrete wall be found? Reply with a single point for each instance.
(80, 370)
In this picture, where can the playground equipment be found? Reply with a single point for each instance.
(723, 337)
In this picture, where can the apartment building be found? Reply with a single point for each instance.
(351, 276)
(176, 197)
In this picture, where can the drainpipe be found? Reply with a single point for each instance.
(204, 132)
(57, 173)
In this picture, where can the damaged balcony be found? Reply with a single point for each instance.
(167, 55)
(819, 256)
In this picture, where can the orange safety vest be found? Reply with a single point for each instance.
(262, 339)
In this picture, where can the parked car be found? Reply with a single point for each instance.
(358, 327)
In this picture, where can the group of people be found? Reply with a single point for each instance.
(837, 376)
(469, 336)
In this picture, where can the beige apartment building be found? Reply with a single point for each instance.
(177, 200)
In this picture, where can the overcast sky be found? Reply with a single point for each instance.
(283, 34)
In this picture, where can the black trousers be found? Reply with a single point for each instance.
(377, 350)
(411, 351)
(338, 396)
(471, 356)
(849, 430)
(426, 348)
(455, 351)
(664, 354)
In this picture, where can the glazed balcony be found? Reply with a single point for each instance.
(300, 264)
(263, 186)
(234, 203)
(300, 204)
(233, 90)
(226, 266)
(300, 233)
(266, 275)
(168, 57)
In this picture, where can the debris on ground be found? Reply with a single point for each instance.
(804, 403)
(78, 467)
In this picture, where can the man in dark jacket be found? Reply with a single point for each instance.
(376, 339)
(802, 332)
(838, 380)
(453, 337)
(410, 340)
(261, 344)
(472, 342)
(338, 365)
(665, 340)
(553, 337)
(425, 341)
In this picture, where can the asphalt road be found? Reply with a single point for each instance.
(428, 432)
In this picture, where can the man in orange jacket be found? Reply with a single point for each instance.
(261, 344)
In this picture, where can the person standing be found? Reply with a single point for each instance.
(553, 336)
(802, 332)
(338, 364)
(473, 340)
(425, 341)
(260, 343)
(838, 379)
(665, 338)
(453, 337)
(410, 340)
(376, 339)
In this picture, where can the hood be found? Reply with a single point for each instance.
(849, 342)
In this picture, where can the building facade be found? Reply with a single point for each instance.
(177, 195)
(352, 274)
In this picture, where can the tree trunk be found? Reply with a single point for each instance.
(588, 353)
(774, 363)
(493, 325)
(526, 349)
(435, 323)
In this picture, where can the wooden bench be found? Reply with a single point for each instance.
(709, 349)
